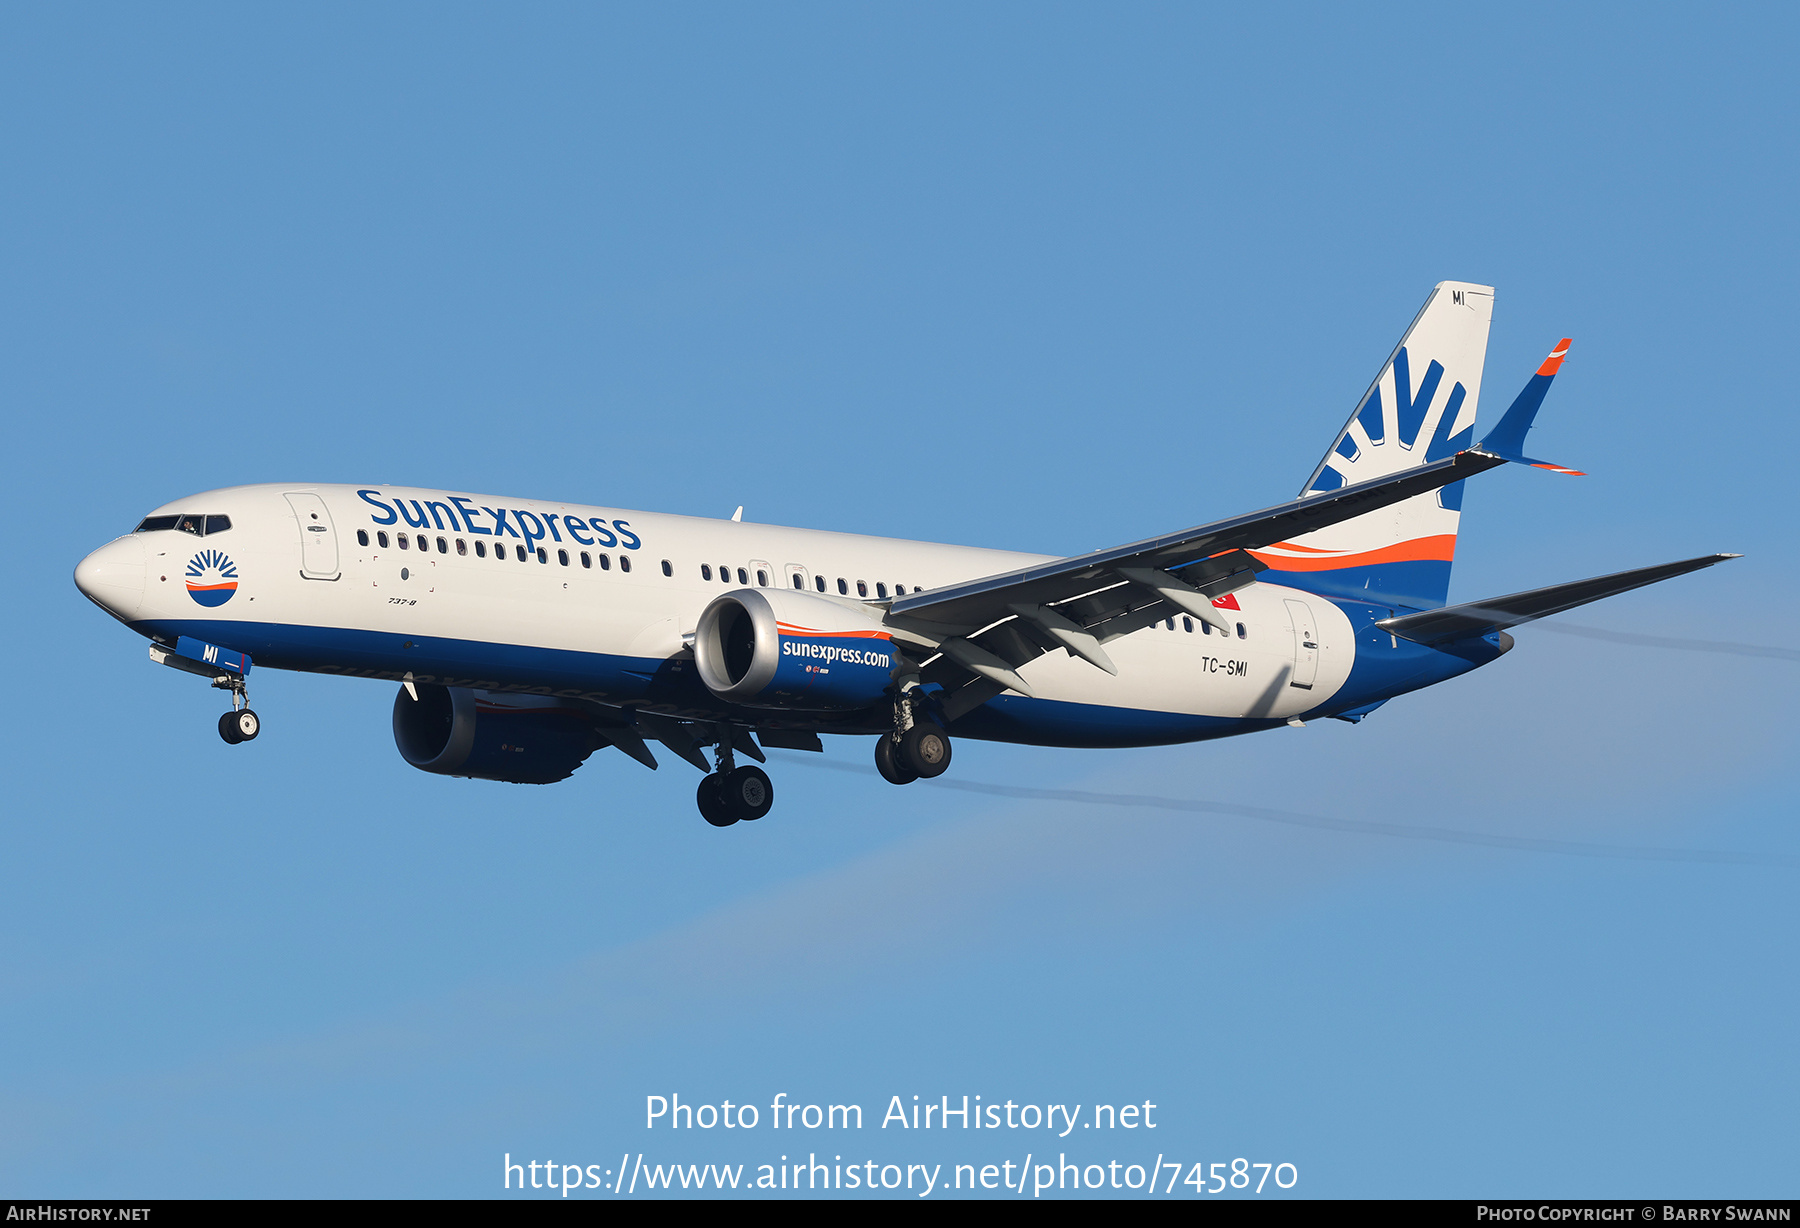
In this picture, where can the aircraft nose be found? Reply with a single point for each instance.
(112, 577)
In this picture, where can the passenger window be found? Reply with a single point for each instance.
(762, 578)
(217, 524)
(1205, 628)
(899, 590)
(743, 576)
(606, 562)
(724, 574)
(706, 571)
(480, 550)
(1171, 624)
(586, 561)
(843, 587)
(1187, 625)
(400, 540)
(862, 588)
(462, 547)
(799, 580)
(562, 557)
(624, 562)
(1241, 634)
(521, 553)
(881, 590)
(819, 583)
(543, 555)
(362, 537)
(668, 568)
(443, 546)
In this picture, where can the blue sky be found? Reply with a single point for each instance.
(1040, 277)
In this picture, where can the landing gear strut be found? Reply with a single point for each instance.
(734, 793)
(917, 749)
(240, 724)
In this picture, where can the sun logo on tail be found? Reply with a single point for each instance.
(1383, 434)
(211, 578)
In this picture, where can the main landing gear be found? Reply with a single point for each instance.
(917, 749)
(732, 793)
(240, 724)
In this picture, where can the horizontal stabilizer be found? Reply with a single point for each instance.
(1461, 622)
(1507, 439)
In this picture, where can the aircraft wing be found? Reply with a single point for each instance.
(982, 630)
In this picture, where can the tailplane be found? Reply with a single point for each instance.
(1421, 408)
(1478, 618)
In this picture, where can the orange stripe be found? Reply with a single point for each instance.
(1441, 548)
(209, 588)
(1296, 546)
(792, 629)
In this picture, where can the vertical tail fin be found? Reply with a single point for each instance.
(1421, 408)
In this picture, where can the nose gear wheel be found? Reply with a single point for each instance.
(240, 724)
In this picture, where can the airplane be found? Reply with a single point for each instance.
(527, 634)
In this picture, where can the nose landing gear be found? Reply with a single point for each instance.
(240, 724)
(225, 668)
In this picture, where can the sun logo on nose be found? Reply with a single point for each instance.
(211, 578)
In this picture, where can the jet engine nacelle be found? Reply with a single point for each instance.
(521, 739)
(776, 648)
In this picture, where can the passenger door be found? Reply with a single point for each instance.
(318, 540)
(1306, 644)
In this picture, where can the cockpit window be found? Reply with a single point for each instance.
(199, 526)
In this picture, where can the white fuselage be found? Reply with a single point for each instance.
(317, 590)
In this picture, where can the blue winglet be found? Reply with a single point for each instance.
(1507, 439)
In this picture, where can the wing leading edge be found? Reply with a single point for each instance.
(979, 602)
(973, 637)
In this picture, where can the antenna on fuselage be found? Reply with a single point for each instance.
(738, 516)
